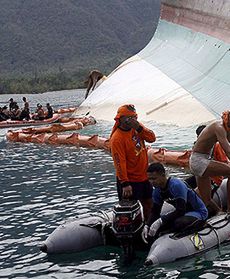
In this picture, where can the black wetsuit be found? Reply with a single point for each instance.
(190, 211)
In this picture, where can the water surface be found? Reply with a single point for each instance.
(43, 185)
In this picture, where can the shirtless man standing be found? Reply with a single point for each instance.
(203, 167)
(25, 114)
(93, 78)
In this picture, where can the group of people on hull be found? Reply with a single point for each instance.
(15, 113)
(149, 183)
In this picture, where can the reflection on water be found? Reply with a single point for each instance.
(42, 185)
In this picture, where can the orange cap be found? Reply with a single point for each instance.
(125, 110)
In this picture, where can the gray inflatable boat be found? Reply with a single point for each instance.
(82, 234)
(78, 235)
(170, 247)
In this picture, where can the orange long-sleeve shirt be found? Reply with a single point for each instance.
(130, 155)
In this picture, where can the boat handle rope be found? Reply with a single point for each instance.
(105, 215)
(217, 236)
(106, 218)
(218, 196)
(212, 227)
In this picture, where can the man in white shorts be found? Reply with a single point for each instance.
(203, 167)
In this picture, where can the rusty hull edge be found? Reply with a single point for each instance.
(204, 16)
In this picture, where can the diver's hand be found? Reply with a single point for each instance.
(144, 234)
(155, 227)
(127, 192)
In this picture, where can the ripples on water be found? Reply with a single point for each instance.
(43, 185)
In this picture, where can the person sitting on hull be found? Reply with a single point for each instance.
(39, 114)
(15, 113)
(190, 211)
(25, 114)
(2, 115)
(49, 113)
(127, 144)
(93, 78)
(12, 104)
(203, 167)
(6, 112)
(217, 154)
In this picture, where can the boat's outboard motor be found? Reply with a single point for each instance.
(128, 221)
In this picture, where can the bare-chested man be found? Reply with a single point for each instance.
(201, 164)
(25, 114)
(93, 78)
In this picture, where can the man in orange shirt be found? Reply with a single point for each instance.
(127, 143)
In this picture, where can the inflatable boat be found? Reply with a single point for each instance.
(56, 139)
(49, 135)
(53, 128)
(65, 110)
(21, 123)
(77, 124)
(124, 225)
(179, 158)
(172, 157)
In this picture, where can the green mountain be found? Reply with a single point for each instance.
(60, 40)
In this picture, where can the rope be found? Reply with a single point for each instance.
(105, 215)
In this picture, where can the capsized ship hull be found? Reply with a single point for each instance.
(182, 76)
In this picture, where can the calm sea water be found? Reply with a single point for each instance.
(43, 185)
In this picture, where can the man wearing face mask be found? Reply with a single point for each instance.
(127, 143)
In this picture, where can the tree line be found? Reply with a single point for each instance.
(61, 80)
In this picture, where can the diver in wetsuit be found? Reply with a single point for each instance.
(190, 211)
